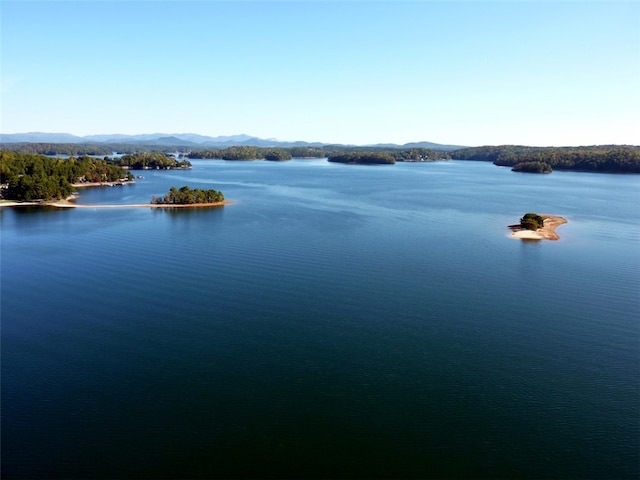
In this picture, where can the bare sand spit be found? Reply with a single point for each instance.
(547, 232)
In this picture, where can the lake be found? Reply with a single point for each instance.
(335, 321)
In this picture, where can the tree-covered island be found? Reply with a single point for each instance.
(189, 196)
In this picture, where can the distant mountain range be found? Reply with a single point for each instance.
(192, 140)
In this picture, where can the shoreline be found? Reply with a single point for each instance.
(39, 203)
(69, 204)
(547, 232)
(103, 184)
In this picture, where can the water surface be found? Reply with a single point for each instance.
(335, 321)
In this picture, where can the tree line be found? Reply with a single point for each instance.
(244, 152)
(377, 154)
(30, 177)
(90, 148)
(597, 158)
(150, 160)
(370, 158)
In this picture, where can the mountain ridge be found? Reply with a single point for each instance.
(193, 140)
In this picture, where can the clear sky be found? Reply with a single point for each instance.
(358, 72)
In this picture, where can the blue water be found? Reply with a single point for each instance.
(335, 321)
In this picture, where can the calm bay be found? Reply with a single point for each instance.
(335, 321)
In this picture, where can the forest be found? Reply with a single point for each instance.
(188, 196)
(30, 177)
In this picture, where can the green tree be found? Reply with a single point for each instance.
(531, 221)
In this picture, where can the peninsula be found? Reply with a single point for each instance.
(537, 227)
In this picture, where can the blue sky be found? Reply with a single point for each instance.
(465, 73)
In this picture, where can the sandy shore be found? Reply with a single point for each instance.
(547, 232)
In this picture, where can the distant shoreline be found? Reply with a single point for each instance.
(547, 232)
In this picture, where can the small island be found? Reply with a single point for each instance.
(188, 197)
(537, 227)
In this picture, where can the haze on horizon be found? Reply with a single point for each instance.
(464, 73)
